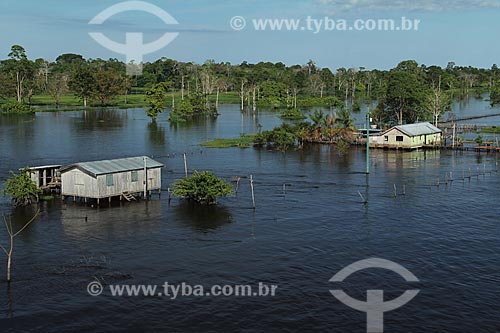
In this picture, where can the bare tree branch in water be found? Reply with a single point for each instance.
(13, 234)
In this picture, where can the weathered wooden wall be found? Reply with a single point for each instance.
(79, 184)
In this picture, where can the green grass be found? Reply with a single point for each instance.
(491, 130)
(70, 102)
(245, 141)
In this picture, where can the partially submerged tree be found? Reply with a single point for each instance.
(57, 86)
(21, 188)
(12, 235)
(194, 106)
(156, 99)
(204, 188)
(82, 83)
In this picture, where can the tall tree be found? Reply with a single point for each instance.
(21, 68)
(156, 98)
(82, 83)
(405, 97)
(108, 85)
(438, 102)
(57, 86)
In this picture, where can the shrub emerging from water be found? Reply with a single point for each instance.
(292, 114)
(21, 189)
(16, 108)
(204, 188)
(193, 106)
(282, 138)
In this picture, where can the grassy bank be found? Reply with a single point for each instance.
(70, 102)
(245, 141)
(491, 130)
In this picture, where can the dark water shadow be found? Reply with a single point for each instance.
(201, 217)
(156, 134)
(101, 120)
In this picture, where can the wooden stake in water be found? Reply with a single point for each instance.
(368, 122)
(145, 178)
(363, 198)
(185, 165)
(395, 191)
(253, 193)
(237, 185)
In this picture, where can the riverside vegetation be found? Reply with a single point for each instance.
(406, 93)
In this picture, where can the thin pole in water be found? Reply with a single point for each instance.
(185, 165)
(145, 178)
(253, 194)
(363, 198)
(368, 143)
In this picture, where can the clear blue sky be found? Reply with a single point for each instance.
(463, 31)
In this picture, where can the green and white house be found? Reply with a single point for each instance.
(411, 136)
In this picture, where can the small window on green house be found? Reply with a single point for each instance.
(399, 138)
(109, 180)
(135, 176)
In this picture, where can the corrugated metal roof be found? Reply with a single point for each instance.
(114, 166)
(419, 129)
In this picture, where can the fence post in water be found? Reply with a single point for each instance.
(253, 194)
(185, 165)
(363, 198)
(395, 191)
(237, 185)
(368, 143)
(145, 178)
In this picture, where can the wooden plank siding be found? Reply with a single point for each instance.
(79, 184)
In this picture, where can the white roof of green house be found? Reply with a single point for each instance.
(418, 129)
(106, 167)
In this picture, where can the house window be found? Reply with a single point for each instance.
(109, 180)
(399, 138)
(386, 138)
(135, 176)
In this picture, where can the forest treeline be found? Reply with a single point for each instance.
(407, 93)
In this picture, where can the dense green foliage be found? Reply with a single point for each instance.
(193, 106)
(495, 95)
(204, 188)
(16, 108)
(292, 114)
(321, 129)
(21, 189)
(407, 93)
(156, 99)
